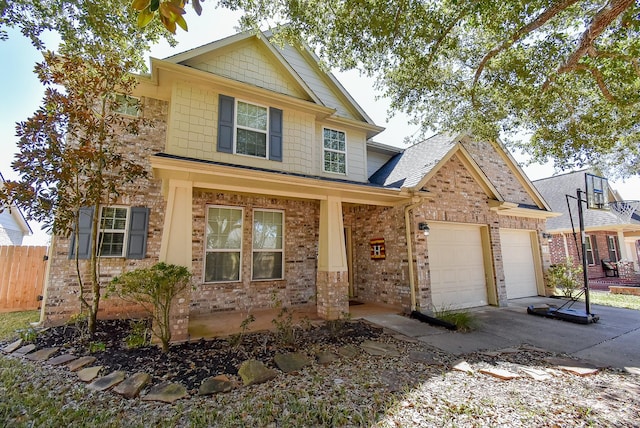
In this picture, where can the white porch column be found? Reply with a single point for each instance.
(176, 246)
(624, 254)
(332, 282)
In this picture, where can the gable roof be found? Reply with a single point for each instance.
(17, 215)
(302, 65)
(555, 190)
(417, 164)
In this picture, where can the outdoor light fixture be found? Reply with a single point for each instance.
(547, 236)
(424, 227)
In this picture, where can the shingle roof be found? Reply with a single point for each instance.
(554, 191)
(406, 169)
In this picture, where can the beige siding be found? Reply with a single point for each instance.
(356, 149)
(375, 161)
(252, 64)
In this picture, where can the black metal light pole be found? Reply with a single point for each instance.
(583, 237)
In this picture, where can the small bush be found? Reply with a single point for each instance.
(28, 335)
(139, 335)
(566, 278)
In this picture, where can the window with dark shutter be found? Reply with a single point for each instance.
(275, 134)
(138, 226)
(85, 218)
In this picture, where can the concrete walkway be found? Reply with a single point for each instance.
(614, 341)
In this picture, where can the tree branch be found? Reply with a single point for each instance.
(444, 35)
(599, 80)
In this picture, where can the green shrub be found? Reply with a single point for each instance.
(463, 320)
(154, 289)
(139, 335)
(566, 278)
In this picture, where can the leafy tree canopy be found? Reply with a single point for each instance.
(567, 72)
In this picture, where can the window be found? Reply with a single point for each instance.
(612, 246)
(122, 232)
(591, 250)
(335, 151)
(249, 129)
(268, 248)
(113, 231)
(223, 244)
(127, 105)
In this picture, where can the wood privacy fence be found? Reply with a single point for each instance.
(22, 271)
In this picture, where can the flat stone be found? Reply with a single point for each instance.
(215, 385)
(499, 373)
(108, 381)
(62, 359)
(291, 362)
(42, 354)
(535, 374)
(348, 351)
(392, 380)
(166, 392)
(326, 357)
(532, 348)
(90, 373)
(24, 350)
(253, 372)
(81, 362)
(579, 368)
(633, 370)
(379, 349)
(492, 354)
(424, 358)
(462, 366)
(12, 347)
(131, 386)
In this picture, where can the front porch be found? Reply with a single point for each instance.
(222, 324)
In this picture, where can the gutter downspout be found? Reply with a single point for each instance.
(407, 228)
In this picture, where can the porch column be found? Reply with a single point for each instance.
(624, 254)
(332, 281)
(176, 248)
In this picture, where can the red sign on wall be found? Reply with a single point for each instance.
(377, 248)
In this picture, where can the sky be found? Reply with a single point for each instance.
(23, 93)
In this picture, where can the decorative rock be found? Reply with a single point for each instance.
(42, 354)
(24, 350)
(536, 374)
(379, 349)
(348, 351)
(106, 382)
(424, 358)
(166, 392)
(576, 367)
(80, 363)
(89, 374)
(62, 359)
(291, 362)
(326, 357)
(12, 346)
(253, 372)
(499, 373)
(462, 366)
(214, 385)
(131, 387)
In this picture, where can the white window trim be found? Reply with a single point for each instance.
(125, 241)
(611, 244)
(589, 250)
(139, 104)
(270, 250)
(346, 156)
(204, 262)
(236, 127)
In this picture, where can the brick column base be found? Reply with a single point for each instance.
(179, 317)
(332, 294)
(625, 269)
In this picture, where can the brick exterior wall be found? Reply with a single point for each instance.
(62, 286)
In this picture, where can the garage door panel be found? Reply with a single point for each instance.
(456, 265)
(518, 263)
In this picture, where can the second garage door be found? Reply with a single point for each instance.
(456, 265)
(518, 262)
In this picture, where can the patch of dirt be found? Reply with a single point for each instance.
(191, 362)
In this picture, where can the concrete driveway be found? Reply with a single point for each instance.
(614, 341)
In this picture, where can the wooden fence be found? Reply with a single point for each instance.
(22, 271)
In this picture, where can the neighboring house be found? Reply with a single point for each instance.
(268, 186)
(607, 236)
(13, 226)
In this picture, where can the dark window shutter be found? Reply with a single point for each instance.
(138, 227)
(226, 106)
(85, 220)
(275, 134)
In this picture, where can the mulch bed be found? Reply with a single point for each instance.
(191, 362)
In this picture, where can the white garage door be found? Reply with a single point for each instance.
(519, 267)
(456, 266)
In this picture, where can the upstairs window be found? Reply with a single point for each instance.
(335, 151)
(249, 129)
(127, 105)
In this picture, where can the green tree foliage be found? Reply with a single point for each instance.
(72, 153)
(155, 289)
(567, 72)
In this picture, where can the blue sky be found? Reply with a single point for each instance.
(23, 93)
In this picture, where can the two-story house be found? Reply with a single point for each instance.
(266, 183)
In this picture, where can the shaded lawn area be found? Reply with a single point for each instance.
(12, 321)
